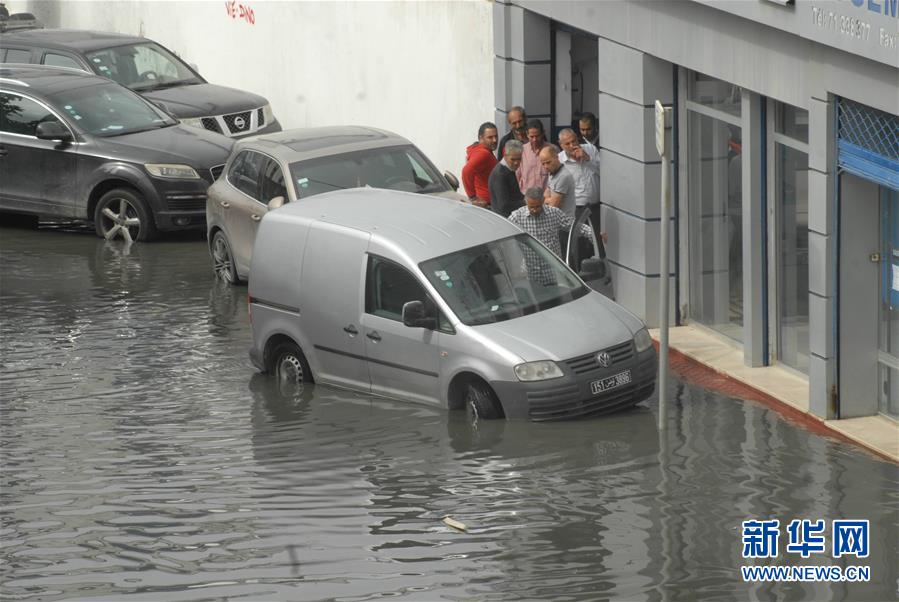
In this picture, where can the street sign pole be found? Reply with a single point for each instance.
(662, 115)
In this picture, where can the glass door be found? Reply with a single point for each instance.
(888, 353)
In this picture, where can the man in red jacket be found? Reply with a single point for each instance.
(479, 162)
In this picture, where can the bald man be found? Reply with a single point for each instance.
(560, 186)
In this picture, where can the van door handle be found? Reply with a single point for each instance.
(255, 217)
(350, 330)
(374, 336)
(225, 204)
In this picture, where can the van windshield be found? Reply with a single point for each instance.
(502, 279)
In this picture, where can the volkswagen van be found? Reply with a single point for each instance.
(442, 303)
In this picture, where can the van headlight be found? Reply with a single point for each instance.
(194, 122)
(642, 340)
(542, 370)
(267, 114)
(172, 171)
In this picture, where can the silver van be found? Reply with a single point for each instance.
(442, 303)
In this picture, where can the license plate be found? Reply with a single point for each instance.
(610, 382)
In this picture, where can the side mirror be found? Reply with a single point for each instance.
(453, 180)
(276, 202)
(163, 107)
(53, 130)
(592, 268)
(416, 316)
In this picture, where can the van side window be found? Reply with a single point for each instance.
(20, 115)
(244, 173)
(388, 286)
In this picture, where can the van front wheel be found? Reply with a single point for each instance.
(481, 402)
(290, 365)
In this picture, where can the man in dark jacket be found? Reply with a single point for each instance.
(505, 194)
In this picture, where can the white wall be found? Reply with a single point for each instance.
(423, 69)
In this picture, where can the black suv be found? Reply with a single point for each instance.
(150, 70)
(81, 146)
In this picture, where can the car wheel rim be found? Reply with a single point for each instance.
(119, 218)
(221, 260)
(290, 370)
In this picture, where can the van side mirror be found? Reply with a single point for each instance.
(452, 180)
(276, 202)
(416, 316)
(53, 130)
(592, 268)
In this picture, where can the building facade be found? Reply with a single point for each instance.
(785, 227)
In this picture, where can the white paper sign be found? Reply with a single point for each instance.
(895, 277)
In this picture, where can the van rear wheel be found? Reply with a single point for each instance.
(481, 402)
(290, 365)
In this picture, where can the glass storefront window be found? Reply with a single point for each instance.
(715, 94)
(716, 224)
(791, 178)
(791, 121)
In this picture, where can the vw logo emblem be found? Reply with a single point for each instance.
(240, 123)
(604, 359)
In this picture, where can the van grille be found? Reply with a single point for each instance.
(211, 124)
(584, 364)
(186, 202)
(238, 123)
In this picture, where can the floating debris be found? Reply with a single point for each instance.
(451, 522)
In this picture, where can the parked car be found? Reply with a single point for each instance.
(77, 145)
(149, 69)
(267, 171)
(442, 303)
(17, 21)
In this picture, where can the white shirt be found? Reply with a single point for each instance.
(586, 175)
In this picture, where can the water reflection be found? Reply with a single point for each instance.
(143, 458)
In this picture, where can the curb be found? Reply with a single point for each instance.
(695, 372)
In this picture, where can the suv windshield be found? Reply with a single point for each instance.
(394, 168)
(501, 280)
(109, 110)
(141, 67)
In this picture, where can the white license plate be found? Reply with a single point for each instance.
(610, 382)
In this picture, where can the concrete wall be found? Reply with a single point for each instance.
(421, 69)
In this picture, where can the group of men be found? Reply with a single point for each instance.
(538, 186)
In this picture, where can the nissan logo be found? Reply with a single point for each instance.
(604, 359)
(240, 123)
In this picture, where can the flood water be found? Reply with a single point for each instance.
(143, 458)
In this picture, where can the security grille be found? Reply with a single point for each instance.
(868, 143)
(870, 129)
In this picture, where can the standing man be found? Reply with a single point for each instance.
(560, 185)
(517, 129)
(531, 174)
(589, 130)
(505, 195)
(479, 162)
(543, 221)
(582, 160)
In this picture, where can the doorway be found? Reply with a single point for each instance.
(888, 335)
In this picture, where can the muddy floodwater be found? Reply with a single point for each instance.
(143, 458)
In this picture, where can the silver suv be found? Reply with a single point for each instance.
(265, 172)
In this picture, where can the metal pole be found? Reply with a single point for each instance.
(661, 142)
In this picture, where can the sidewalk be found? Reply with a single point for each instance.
(702, 357)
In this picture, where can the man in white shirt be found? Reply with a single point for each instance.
(582, 161)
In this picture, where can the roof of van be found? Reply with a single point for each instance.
(304, 143)
(422, 226)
